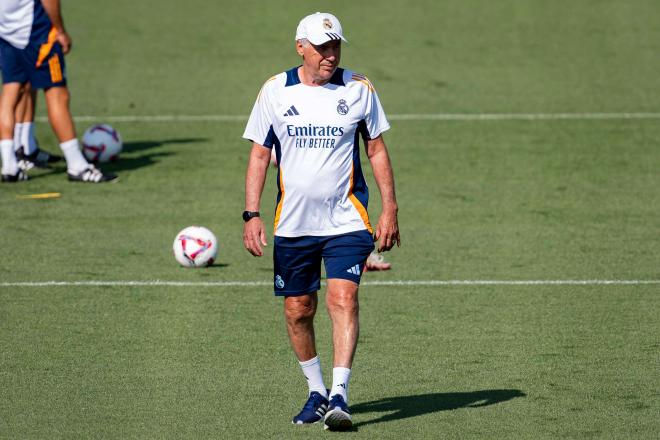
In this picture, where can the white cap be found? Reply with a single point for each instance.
(320, 28)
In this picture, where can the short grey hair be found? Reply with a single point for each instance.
(304, 42)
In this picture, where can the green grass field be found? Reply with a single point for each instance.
(502, 200)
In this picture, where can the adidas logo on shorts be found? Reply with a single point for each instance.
(355, 270)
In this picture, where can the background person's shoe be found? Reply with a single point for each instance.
(91, 174)
(39, 159)
(376, 261)
(19, 176)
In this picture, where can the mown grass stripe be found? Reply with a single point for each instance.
(158, 283)
(392, 117)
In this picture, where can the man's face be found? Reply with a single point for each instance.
(321, 61)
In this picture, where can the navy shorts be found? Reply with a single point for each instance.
(297, 260)
(40, 64)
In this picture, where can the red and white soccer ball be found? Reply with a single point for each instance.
(101, 143)
(195, 246)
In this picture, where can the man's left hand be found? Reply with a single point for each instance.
(387, 231)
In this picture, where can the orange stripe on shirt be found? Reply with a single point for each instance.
(55, 69)
(358, 205)
(365, 81)
(278, 211)
(262, 87)
(45, 48)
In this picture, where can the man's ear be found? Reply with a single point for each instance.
(299, 48)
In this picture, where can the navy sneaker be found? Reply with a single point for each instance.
(313, 411)
(338, 417)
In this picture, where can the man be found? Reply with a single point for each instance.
(33, 42)
(313, 116)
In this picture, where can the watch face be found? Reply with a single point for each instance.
(247, 215)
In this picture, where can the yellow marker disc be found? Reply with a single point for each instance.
(40, 196)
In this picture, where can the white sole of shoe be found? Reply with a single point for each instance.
(337, 420)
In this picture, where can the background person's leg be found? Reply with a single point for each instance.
(19, 115)
(59, 116)
(8, 100)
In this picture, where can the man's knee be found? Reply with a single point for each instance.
(57, 95)
(343, 299)
(299, 308)
(8, 101)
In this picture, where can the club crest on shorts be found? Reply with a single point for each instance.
(279, 282)
(342, 107)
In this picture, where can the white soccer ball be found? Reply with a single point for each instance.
(101, 143)
(195, 246)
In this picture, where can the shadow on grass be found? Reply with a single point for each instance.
(130, 147)
(148, 158)
(404, 407)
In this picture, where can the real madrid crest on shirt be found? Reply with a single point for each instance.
(342, 107)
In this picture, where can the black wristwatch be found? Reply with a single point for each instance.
(247, 215)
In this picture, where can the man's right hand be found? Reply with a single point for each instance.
(254, 236)
(65, 41)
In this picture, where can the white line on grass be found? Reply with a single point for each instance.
(393, 117)
(520, 116)
(157, 283)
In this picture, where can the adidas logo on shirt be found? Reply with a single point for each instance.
(292, 111)
(355, 270)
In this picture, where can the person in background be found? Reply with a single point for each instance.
(33, 42)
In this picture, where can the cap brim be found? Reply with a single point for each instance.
(317, 40)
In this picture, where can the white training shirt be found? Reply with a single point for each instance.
(315, 131)
(16, 17)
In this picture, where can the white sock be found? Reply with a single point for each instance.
(9, 163)
(18, 131)
(312, 371)
(75, 161)
(340, 377)
(27, 138)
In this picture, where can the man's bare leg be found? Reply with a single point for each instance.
(344, 310)
(343, 307)
(299, 312)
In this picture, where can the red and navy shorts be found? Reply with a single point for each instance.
(297, 260)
